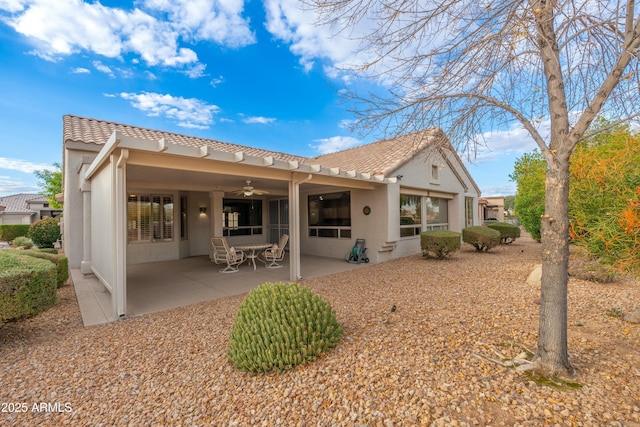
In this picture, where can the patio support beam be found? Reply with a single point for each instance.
(215, 212)
(119, 297)
(85, 189)
(294, 224)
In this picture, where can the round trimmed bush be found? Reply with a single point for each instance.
(508, 232)
(279, 326)
(439, 243)
(481, 237)
(22, 242)
(45, 232)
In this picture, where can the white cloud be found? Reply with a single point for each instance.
(10, 186)
(287, 21)
(499, 190)
(196, 71)
(103, 68)
(65, 27)
(259, 120)
(216, 81)
(335, 143)
(21, 165)
(12, 5)
(514, 141)
(219, 21)
(187, 112)
(81, 70)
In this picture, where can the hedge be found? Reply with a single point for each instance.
(439, 243)
(61, 262)
(508, 232)
(481, 237)
(27, 285)
(8, 232)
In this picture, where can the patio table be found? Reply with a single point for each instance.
(253, 251)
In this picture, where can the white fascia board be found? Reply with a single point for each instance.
(117, 140)
(103, 156)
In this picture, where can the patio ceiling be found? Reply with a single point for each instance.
(173, 179)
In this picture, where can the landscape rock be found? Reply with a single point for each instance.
(535, 276)
(633, 317)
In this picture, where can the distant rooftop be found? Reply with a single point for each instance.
(19, 203)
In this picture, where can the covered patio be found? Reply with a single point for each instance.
(158, 286)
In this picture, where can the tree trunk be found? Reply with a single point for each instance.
(552, 355)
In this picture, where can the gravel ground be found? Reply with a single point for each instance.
(425, 364)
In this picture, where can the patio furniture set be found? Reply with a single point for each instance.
(271, 254)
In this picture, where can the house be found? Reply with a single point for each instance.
(135, 195)
(492, 208)
(25, 208)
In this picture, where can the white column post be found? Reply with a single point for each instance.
(85, 189)
(119, 299)
(294, 226)
(215, 216)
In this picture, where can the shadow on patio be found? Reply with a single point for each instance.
(159, 286)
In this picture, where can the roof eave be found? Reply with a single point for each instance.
(119, 141)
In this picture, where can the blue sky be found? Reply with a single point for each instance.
(254, 73)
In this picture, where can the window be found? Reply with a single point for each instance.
(149, 218)
(241, 217)
(184, 220)
(437, 213)
(435, 172)
(410, 221)
(468, 211)
(330, 215)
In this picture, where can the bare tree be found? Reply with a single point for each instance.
(472, 66)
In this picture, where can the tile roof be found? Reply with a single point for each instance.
(383, 157)
(93, 131)
(18, 203)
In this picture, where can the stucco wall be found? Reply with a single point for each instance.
(103, 224)
(381, 228)
(199, 224)
(73, 217)
(15, 219)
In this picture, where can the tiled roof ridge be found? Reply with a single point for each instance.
(177, 136)
(430, 131)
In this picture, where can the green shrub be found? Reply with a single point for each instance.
(529, 173)
(508, 232)
(281, 325)
(481, 237)
(8, 232)
(45, 232)
(439, 243)
(27, 285)
(48, 250)
(61, 262)
(22, 242)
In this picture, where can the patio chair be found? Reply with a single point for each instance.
(275, 254)
(221, 253)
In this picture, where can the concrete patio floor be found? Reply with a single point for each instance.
(158, 286)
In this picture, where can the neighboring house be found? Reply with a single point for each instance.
(492, 208)
(25, 209)
(134, 195)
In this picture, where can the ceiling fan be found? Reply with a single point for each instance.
(248, 190)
